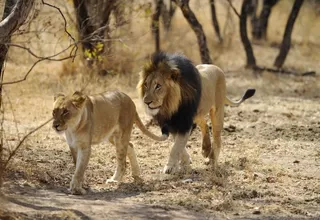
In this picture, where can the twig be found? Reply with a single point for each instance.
(22, 140)
(40, 57)
(65, 27)
(27, 74)
(233, 8)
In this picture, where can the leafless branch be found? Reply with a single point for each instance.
(233, 8)
(22, 140)
(65, 27)
(33, 65)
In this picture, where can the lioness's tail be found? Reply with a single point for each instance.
(249, 93)
(148, 133)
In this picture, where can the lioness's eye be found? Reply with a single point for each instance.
(65, 112)
(158, 86)
(145, 85)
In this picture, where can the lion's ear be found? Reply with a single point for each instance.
(56, 96)
(175, 74)
(78, 99)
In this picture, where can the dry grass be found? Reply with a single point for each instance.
(269, 165)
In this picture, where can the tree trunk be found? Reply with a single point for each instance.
(155, 25)
(167, 15)
(251, 61)
(286, 41)
(92, 32)
(215, 20)
(261, 24)
(15, 14)
(85, 28)
(197, 28)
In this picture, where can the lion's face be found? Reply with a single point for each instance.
(155, 91)
(160, 91)
(67, 111)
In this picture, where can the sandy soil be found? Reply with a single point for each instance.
(269, 165)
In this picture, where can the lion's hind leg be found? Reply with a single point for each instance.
(206, 143)
(216, 116)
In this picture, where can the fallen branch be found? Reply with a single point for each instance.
(22, 140)
(260, 69)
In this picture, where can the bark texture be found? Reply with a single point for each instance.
(197, 28)
(286, 41)
(251, 61)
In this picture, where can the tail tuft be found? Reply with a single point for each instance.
(249, 93)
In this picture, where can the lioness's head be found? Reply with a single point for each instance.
(161, 86)
(67, 110)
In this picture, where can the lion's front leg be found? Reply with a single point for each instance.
(176, 152)
(83, 155)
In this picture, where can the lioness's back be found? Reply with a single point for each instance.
(111, 108)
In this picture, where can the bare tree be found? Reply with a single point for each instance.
(15, 14)
(167, 14)
(260, 23)
(286, 41)
(215, 20)
(197, 28)
(93, 25)
(251, 61)
(155, 24)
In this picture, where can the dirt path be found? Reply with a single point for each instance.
(46, 204)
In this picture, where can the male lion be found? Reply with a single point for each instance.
(178, 95)
(86, 120)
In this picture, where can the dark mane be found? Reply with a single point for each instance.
(190, 81)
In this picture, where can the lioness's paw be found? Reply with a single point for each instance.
(111, 180)
(77, 191)
(169, 169)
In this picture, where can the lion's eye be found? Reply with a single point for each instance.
(145, 85)
(158, 86)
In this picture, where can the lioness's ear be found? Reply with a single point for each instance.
(78, 98)
(57, 96)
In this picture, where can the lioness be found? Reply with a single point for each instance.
(86, 120)
(178, 95)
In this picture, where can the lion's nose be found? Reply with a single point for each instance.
(148, 103)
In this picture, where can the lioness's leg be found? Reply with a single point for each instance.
(73, 154)
(133, 161)
(83, 155)
(175, 154)
(206, 143)
(217, 126)
(121, 153)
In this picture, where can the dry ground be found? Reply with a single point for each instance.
(269, 164)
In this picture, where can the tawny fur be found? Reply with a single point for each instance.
(169, 97)
(86, 120)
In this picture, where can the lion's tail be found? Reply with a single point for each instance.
(249, 93)
(147, 132)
